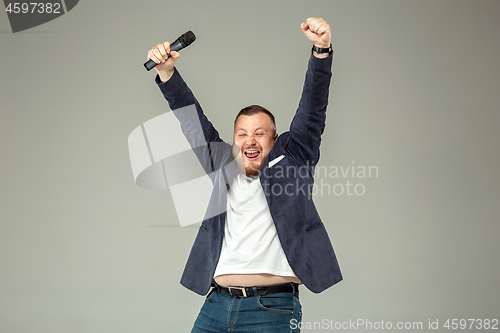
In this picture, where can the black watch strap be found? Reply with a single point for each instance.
(323, 49)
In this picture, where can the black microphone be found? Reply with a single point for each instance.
(183, 41)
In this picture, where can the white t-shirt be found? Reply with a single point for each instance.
(250, 244)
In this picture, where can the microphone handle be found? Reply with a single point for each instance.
(175, 46)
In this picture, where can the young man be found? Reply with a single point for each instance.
(269, 239)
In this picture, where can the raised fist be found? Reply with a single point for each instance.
(317, 31)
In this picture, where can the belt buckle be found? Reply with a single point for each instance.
(238, 288)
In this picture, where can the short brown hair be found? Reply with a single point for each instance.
(254, 109)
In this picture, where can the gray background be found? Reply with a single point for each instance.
(415, 91)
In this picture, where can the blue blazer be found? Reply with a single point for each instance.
(287, 176)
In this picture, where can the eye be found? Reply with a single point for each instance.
(242, 134)
(259, 134)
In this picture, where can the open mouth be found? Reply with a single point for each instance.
(252, 154)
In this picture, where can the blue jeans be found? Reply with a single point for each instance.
(274, 313)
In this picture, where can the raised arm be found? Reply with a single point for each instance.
(309, 121)
(198, 130)
(175, 90)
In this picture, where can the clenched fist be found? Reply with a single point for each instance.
(317, 31)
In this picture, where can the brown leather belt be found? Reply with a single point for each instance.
(289, 287)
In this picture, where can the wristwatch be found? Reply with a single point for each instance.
(323, 49)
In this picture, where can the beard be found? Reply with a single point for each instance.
(252, 169)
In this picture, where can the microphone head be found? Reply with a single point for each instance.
(187, 38)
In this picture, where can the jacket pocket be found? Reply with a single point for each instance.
(314, 226)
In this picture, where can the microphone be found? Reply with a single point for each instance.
(183, 41)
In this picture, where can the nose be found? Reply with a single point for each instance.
(250, 140)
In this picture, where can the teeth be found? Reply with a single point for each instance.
(251, 151)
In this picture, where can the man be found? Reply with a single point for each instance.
(270, 239)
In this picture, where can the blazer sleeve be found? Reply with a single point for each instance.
(309, 121)
(204, 139)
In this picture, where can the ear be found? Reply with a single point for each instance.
(275, 137)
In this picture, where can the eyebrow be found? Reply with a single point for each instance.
(258, 128)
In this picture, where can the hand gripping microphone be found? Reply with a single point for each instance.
(183, 41)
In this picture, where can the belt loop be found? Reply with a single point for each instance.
(293, 287)
(216, 287)
(255, 292)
